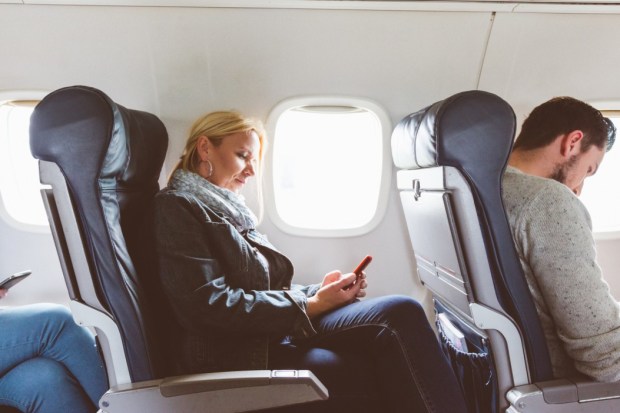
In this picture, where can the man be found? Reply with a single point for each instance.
(562, 142)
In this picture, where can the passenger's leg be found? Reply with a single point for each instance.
(40, 385)
(412, 371)
(48, 330)
(348, 377)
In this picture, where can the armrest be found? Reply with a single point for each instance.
(566, 395)
(219, 392)
(590, 390)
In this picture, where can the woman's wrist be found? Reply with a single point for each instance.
(314, 307)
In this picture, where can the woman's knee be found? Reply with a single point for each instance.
(57, 323)
(40, 376)
(57, 314)
(401, 307)
(41, 384)
(42, 316)
(42, 372)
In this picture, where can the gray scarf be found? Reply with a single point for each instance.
(221, 200)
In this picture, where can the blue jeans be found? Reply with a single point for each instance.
(375, 355)
(48, 363)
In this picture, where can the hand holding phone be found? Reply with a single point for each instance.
(13, 279)
(362, 266)
(359, 269)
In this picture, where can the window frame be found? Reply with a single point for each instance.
(607, 108)
(9, 96)
(386, 164)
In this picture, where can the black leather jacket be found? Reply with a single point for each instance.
(230, 293)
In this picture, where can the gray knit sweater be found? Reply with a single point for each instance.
(553, 236)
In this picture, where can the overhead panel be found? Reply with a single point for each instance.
(532, 57)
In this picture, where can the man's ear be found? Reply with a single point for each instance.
(571, 143)
(202, 147)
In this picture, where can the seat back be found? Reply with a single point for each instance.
(451, 157)
(103, 163)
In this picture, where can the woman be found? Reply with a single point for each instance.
(230, 291)
(48, 363)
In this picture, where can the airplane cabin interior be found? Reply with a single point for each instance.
(389, 127)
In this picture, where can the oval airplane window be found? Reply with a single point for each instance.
(329, 169)
(20, 199)
(600, 193)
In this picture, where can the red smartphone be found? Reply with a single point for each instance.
(362, 266)
(358, 270)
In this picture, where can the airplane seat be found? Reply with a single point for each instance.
(103, 162)
(451, 157)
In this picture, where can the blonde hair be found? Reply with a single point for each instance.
(216, 126)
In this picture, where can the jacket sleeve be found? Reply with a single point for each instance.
(194, 282)
(307, 290)
(557, 237)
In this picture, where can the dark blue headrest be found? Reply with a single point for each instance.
(83, 131)
(472, 131)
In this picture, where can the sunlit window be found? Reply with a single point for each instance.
(328, 167)
(601, 192)
(19, 176)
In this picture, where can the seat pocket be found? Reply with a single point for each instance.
(470, 358)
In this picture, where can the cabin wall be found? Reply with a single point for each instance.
(182, 62)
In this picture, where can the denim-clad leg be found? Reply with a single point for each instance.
(352, 386)
(43, 385)
(393, 333)
(39, 343)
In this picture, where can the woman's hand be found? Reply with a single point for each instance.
(336, 290)
(3, 293)
(363, 284)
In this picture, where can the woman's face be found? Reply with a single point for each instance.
(234, 160)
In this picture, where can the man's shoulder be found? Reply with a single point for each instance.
(520, 180)
(526, 188)
(524, 194)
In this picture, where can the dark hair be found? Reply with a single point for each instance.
(611, 133)
(562, 115)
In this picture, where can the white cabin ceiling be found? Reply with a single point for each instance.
(453, 5)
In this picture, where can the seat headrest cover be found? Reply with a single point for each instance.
(466, 128)
(83, 123)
